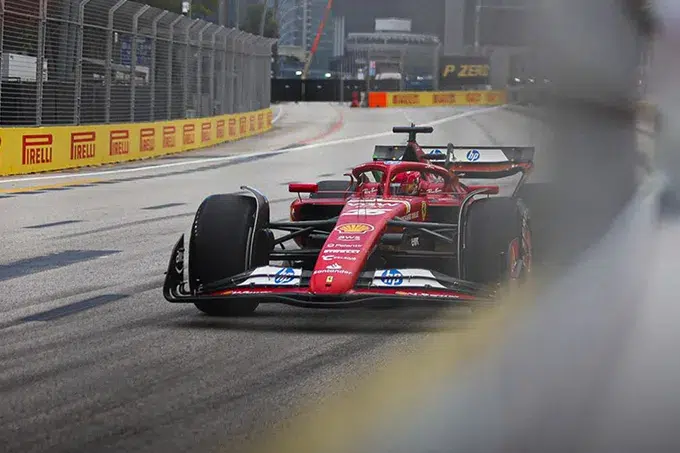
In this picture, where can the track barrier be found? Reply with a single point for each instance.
(25, 150)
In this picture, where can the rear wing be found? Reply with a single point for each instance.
(488, 162)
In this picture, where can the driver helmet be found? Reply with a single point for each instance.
(408, 182)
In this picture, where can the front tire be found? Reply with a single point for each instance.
(497, 237)
(217, 248)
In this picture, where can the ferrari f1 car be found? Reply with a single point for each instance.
(402, 228)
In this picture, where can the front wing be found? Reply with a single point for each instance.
(271, 284)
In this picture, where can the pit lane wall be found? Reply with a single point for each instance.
(25, 150)
(378, 99)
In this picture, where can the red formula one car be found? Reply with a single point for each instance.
(402, 228)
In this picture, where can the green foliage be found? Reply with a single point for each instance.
(253, 20)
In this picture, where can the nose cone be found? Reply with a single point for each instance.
(358, 231)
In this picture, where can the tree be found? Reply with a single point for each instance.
(253, 21)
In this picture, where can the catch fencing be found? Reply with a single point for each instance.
(117, 61)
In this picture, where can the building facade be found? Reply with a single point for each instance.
(299, 22)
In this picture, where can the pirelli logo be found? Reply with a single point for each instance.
(406, 99)
(243, 125)
(220, 129)
(147, 140)
(83, 145)
(493, 98)
(189, 134)
(444, 98)
(206, 132)
(473, 98)
(232, 127)
(260, 121)
(253, 123)
(119, 143)
(169, 137)
(36, 149)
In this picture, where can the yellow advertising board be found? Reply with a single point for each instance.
(26, 150)
(377, 99)
(444, 98)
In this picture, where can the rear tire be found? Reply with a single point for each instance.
(492, 225)
(335, 186)
(217, 248)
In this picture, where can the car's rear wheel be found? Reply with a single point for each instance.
(497, 243)
(332, 189)
(217, 247)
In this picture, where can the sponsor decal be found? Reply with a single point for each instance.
(415, 241)
(346, 238)
(260, 121)
(443, 98)
(169, 137)
(252, 123)
(243, 125)
(220, 128)
(285, 275)
(380, 203)
(365, 211)
(333, 271)
(232, 127)
(119, 142)
(411, 216)
(206, 132)
(83, 145)
(472, 155)
(335, 266)
(419, 294)
(339, 254)
(343, 246)
(423, 211)
(392, 277)
(147, 140)
(244, 291)
(189, 134)
(354, 228)
(473, 98)
(436, 151)
(36, 149)
(337, 258)
(405, 99)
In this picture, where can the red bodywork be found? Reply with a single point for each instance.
(400, 194)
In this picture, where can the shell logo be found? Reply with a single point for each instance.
(356, 228)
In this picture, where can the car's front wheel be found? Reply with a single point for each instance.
(497, 241)
(218, 246)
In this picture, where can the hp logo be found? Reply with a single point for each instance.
(392, 277)
(473, 155)
(285, 275)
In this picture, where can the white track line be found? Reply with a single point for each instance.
(241, 156)
(278, 116)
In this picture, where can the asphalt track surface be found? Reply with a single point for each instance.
(92, 358)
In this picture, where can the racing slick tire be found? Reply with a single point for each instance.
(217, 248)
(333, 186)
(497, 234)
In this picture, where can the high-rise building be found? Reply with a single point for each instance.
(299, 22)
